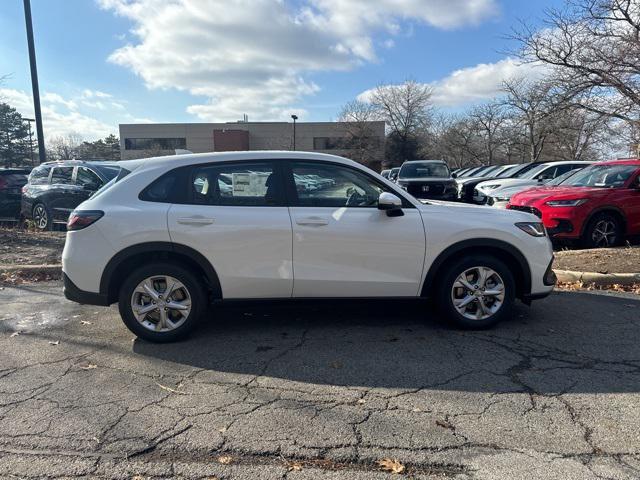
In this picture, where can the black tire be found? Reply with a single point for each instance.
(194, 289)
(603, 222)
(445, 292)
(40, 210)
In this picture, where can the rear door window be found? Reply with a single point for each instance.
(237, 184)
(62, 176)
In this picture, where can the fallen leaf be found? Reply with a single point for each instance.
(225, 459)
(89, 366)
(361, 401)
(14, 334)
(294, 466)
(57, 342)
(391, 465)
(169, 389)
(222, 429)
(85, 322)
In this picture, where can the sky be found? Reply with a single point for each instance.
(105, 62)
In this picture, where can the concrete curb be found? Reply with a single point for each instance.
(46, 269)
(600, 279)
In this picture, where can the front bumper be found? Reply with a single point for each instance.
(73, 293)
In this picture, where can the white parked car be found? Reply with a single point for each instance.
(169, 236)
(536, 176)
(500, 197)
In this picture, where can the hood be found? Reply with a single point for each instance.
(426, 180)
(477, 212)
(534, 196)
(508, 182)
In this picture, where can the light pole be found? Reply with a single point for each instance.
(29, 120)
(295, 117)
(34, 81)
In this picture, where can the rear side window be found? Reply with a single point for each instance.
(39, 176)
(88, 179)
(241, 184)
(62, 176)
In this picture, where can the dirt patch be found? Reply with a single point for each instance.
(599, 260)
(22, 247)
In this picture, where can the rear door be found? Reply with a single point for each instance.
(235, 216)
(343, 245)
(61, 196)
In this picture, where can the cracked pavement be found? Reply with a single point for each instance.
(321, 391)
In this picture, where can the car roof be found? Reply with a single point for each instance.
(622, 161)
(211, 157)
(424, 161)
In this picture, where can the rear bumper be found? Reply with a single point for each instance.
(73, 293)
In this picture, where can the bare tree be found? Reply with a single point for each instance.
(362, 142)
(407, 110)
(488, 120)
(534, 105)
(592, 46)
(64, 147)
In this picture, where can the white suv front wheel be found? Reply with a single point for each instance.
(476, 292)
(161, 302)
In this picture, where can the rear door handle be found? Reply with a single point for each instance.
(312, 221)
(195, 221)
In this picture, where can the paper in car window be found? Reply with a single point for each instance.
(250, 184)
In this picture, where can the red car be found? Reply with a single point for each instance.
(598, 206)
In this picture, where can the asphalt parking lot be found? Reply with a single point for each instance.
(321, 391)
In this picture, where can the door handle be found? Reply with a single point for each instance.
(312, 221)
(195, 221)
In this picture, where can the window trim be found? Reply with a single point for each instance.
(292, 192)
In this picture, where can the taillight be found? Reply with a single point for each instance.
(80, 219)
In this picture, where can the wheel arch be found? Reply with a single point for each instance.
(137, 255)
(504, 251)
(611, 209)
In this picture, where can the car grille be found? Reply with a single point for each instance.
(435, 190)
(521, 208)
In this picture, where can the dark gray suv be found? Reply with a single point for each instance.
(54, 189)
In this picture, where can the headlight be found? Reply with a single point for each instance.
(502, 199)
(490, 187)
(535, 229)
(566, 203)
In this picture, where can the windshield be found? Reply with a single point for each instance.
(604, 176)
(423, 170)
(534, 171)
(507, 172)
(563, 177)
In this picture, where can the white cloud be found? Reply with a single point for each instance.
(253, 56)
(475, 84)
(61, 116)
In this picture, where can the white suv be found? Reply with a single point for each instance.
(171, 235)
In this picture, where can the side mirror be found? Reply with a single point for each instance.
(391, 204)
(454, 175)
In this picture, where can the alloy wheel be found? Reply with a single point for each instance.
(40, 217)
(161, 303)
(478, 293)
(604, 233)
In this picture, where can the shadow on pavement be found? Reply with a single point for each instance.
(571, 342)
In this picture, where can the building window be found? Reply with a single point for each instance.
(154, 143)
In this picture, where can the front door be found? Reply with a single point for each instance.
(343, 245)
(235, 216)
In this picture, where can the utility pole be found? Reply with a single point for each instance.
(34, 81)
(295, 117)
(29, 120)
